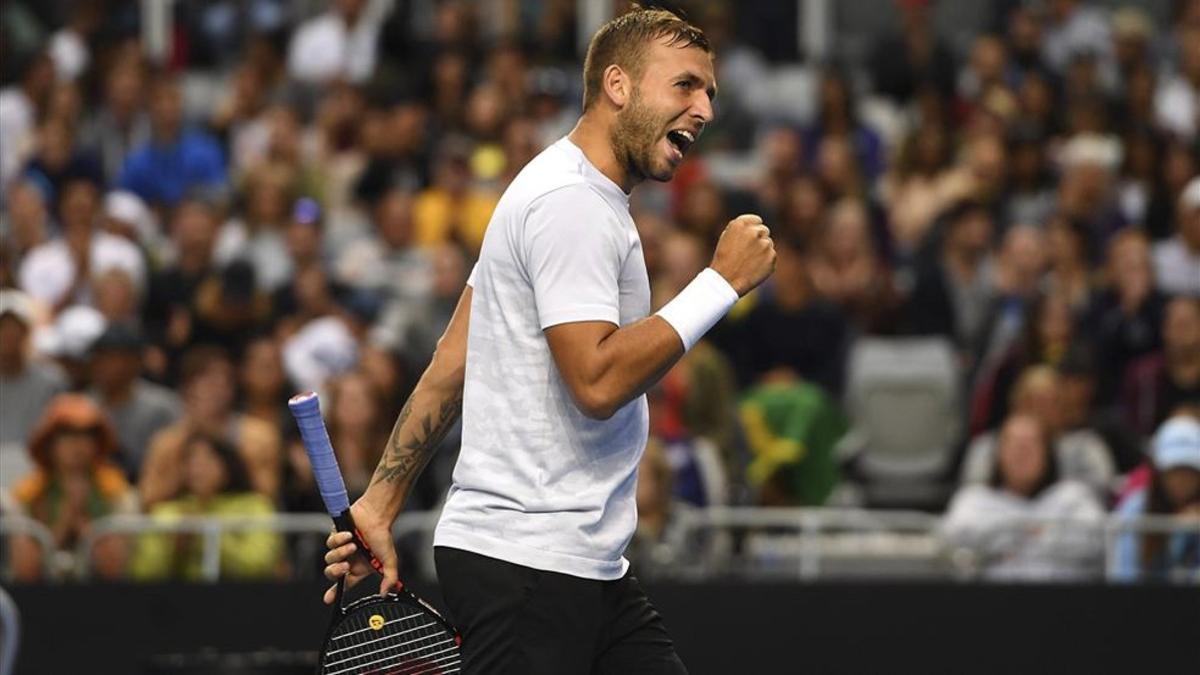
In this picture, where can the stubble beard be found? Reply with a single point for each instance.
(633, 139)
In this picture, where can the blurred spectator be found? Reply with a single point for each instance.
(953, 288)
(21, 105)
(176, 162)
(1086, 190)
(1177, 101)
(25, 222)
(389, 262)
(900, 64)
(397, 147)
(1155, 385)
(785, 329)
(837, 117)
(229, 305)
(339, 44)
(57, 159)
(117, 297)
(1179, 164)
(1068, 252)
(120, 122)
(127, 216)
(1126, 321)
(1174, 490)
(137, 409)
(1079, 453)
(1045, 336)
(1017, 275)
(1003, 522)
(1177, 261)
(848, 270)
(914, 187)
(207, 383)
(59, 271)
(269, 202)
(451, 208)
(240, 120)
(264, 386)
(69, 44)
(216, 484)
(169, 314)
(28, 384)
(791, 429)
(73, 484)
(357, 428)
(68, 340)
(1081, 415)
(1075, 27)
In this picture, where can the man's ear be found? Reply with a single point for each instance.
(617, 85)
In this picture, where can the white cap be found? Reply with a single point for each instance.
(72, 334)
(1092, 150)
(17, 303)
(1177, 443)
(129, 208)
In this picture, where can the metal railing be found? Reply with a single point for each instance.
(800, 543)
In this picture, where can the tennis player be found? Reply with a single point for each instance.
(547, 359)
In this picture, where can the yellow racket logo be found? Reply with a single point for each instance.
(376, 622)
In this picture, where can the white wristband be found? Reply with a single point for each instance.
(699, 306)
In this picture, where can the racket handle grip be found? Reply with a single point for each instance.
(345, 523)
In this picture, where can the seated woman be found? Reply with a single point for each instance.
(74, 483)
(1174, 489)
(1080, 454)
(215, 484)
(1007, 523)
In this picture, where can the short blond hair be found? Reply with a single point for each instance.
(623, 41)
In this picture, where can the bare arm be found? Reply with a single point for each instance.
(606, 367)
(430, 411)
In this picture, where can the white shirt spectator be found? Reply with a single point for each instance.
(48, 272)
(1086, 30)
(1082, 456)
(1176, 268)
(325, 48)
(16, 130)
(537, 482)
(1018, 538)
(70, 54)
(1177, 107)
(265, 249)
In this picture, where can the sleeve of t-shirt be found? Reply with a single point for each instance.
(574, 247)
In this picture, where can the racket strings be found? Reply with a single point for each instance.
(406, 642)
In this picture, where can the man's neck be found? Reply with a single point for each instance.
(593, 139)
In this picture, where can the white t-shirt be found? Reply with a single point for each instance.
(537, 482)
(48, 271)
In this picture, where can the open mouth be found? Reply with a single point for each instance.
(681, 139)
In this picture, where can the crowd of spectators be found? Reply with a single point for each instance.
(291, 199)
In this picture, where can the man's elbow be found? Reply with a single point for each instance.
(595, 403)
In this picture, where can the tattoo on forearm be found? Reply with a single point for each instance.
(408, 451)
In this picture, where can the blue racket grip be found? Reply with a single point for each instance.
(306, 408)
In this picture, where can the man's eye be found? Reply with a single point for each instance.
(684, 84)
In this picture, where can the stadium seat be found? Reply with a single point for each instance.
(902, 397)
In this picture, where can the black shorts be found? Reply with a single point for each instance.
(521, 621)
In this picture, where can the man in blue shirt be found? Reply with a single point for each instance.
(175, 162)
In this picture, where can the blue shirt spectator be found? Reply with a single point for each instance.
(174, 162)
(1174, 489)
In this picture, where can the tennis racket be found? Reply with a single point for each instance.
(396, 634)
